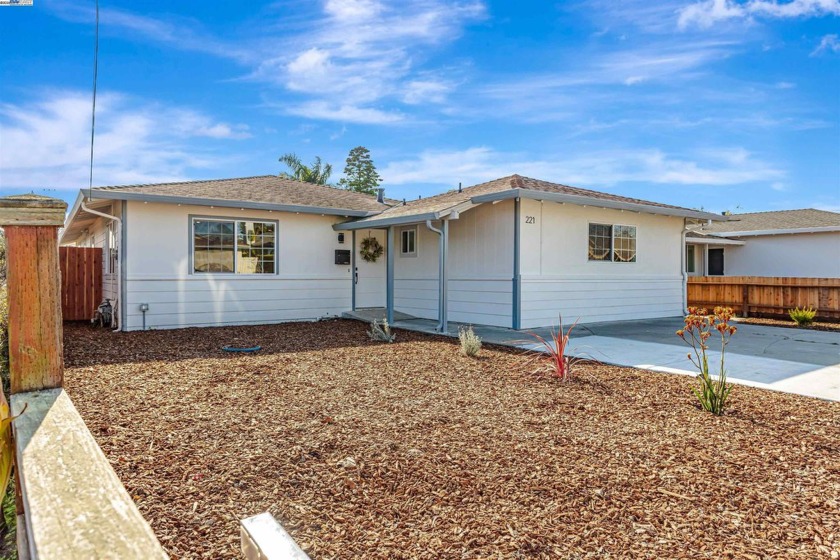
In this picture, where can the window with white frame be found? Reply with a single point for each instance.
(408, 242)
(111, 255)
(234, 246)
(612, 243)
(691, 258)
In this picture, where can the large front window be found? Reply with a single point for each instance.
(234, 246)
(612, 243)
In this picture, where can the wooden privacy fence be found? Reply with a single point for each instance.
(764, 295)
(81, 282)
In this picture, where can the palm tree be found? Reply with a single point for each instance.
(315, 173)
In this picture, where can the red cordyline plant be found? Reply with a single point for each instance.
(560, 365)
(699, 327)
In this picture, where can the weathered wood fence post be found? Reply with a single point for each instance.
(36, 358)
(74, 505)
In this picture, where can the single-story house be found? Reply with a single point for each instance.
(513, 252)
(787, 243)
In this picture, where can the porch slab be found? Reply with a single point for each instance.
(798, 361)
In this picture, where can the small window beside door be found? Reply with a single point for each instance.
(408, 242)
(691, 259)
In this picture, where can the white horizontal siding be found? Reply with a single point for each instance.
(477, 301)
(417, 297)
(197, 301)
(592, 300)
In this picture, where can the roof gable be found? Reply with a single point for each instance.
(515, 185)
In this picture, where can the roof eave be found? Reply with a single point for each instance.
(377, 223)
(70, 217)
(250, 205)
(789, 231)
(597, 202)
(712, 241)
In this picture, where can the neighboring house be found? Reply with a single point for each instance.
(787, 243)
(514, 252)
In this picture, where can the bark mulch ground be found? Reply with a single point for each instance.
(410, 450)
(815, 326)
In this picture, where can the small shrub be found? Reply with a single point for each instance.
(804, 316)
(713, 393)
(560, 365)
(470, 342)
(381, 333)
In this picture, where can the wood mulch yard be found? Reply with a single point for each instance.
(410, 450)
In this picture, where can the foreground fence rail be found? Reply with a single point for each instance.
(71, 505)
(766, 296)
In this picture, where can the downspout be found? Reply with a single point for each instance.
(121, 256)
(443, 235)
(686, 230)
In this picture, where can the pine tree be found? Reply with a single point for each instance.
(360, 173)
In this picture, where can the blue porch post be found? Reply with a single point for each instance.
(389, 276)
(516, 307)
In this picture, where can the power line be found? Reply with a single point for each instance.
(93, 108)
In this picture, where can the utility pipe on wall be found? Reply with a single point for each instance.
(443, 278)
(120, 256)
(686, 230)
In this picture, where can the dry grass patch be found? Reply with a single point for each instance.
(455, 457)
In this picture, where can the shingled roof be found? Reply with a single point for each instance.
(265, 190)
(511, 187)
(781, 220)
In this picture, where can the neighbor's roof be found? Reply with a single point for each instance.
(782, 221)
(269, 192)
(515, 186)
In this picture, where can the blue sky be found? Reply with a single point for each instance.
(717, 104)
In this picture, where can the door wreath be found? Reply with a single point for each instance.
(371, 249)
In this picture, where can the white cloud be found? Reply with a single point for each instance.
(778, 186)
(590, 169)
(707, 13)
(349, 113)
(46, 143)
(829, 43)
(361, 54)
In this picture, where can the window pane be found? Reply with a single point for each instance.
(600, 240)
(213, 244)
(689, 258)
(255, 247)
(625, 243)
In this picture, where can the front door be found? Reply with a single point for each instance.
(369, 277)
(715, 262)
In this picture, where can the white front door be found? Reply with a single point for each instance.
(370, 276)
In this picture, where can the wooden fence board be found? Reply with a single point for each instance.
(769, 296)
(81, 282)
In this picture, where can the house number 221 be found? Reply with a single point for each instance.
(530, 220)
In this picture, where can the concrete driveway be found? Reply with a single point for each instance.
(797, 361)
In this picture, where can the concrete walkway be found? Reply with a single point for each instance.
(798, 361)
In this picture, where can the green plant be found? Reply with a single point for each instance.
(360, 173)
(317, 173)
(804, 316)
(713, 392)
(470, 342)
(559, 364)
(382, 333)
